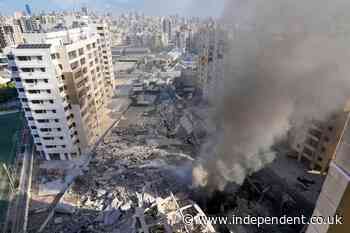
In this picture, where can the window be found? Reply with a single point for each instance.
(24, 58)
(40, 58)
(37, 102)
(24, 100)
(20, 90)
(33, 91)
(57, 120)
(45, 129)
(51, 101)
(48, 138)
(27, 70)
(30, 81)
(77, 74)
(54, 156)
(40, 111)
(27, 109)
(42, 69)
(72, 55)
(10, 57)
(43, 121)
(14, 68)
(30, 118)
(81, 51)
(82, 61)
(17, 79)
(33, 127)
(74, 65)
(35, 135)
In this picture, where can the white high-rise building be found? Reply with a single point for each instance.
(61, 84)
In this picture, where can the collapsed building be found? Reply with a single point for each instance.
(139, 179)
(133, 182)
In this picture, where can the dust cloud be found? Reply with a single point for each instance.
(284, 60)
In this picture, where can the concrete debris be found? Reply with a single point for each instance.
(129, 184)
(58, 220)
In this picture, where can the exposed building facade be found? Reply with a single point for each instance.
(334, 198)
(316, 141)
(61, 84)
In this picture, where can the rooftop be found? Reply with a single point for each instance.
(33, 46)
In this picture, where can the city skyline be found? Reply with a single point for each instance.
(201, 8)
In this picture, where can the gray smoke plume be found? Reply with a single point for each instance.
(286, 60)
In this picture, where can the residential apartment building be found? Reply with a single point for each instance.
(103, 31)
(61, 84)
(334, 198)
(316, 141)
(10, 34)
(211, 57)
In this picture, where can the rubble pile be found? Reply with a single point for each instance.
(130, 182)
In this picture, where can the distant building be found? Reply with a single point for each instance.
(61, 82)
(10, 35)
(84, 10)
(28, 10)
(166, 28)
(211, 58)
(103, 31)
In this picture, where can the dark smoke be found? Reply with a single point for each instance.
(286, 60)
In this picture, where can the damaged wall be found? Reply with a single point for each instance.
(286, 62)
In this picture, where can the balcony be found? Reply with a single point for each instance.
(48, 125)
(37, 86)
(31, 75)
(31, 63)
(37, 96)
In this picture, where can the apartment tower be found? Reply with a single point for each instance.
(61, 82)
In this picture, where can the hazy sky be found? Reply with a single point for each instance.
(149, 7)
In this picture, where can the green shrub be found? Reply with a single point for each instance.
(7, 92)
